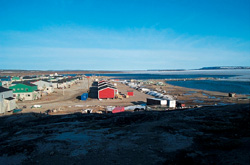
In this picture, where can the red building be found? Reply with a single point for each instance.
(106, 92)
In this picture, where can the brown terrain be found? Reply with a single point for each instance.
(207, 135)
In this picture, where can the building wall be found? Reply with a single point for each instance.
(61, 85)
(49, 90)
(2, 110)
(6, 94)
(5, 106)
(106, 93)
(42, 84)
(25, 96)
(10, 105)
(6, 84)
(54, 85)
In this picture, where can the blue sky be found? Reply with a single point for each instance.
(124, 35)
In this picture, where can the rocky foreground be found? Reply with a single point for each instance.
(209, 135)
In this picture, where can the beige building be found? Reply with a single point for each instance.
(7, 102)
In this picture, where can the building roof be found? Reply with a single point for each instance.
(29, 77)
(2, 89)
(32, 85)
(62, 81)
(9, 98)
(5, 78)
(25, 83)
(103, 87)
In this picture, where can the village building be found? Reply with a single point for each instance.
(7, 102)
(62, 84)
(25, 91)
(71, 81)
(44, 86)
(106, 90)
(6, 81)
(29, 78)
(15, 78)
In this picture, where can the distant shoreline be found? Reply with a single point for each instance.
(221, 71)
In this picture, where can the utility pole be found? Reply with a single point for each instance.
(63, 90)
(84, 83)
(88, 83)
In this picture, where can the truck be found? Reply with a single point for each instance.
(141, 107)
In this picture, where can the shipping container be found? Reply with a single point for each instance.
(84, 96)
(130, 93)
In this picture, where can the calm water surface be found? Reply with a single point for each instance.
(220, 86)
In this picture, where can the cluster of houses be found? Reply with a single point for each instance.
(30, 88)
(106, 90)
(160, 96)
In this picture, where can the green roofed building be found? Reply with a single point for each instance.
(25, 91)
(15, 78)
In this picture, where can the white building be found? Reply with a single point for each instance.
(171, 103)
(7, 102)
(44, 86)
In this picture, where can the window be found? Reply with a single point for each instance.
(26, 89)
(21, 88)
(14, 89)
(18, 89)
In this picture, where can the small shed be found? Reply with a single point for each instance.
(130, 93)
(118, 110)
(84, 96)
(171, 103)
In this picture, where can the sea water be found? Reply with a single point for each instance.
(211, 85)
(237, 81)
